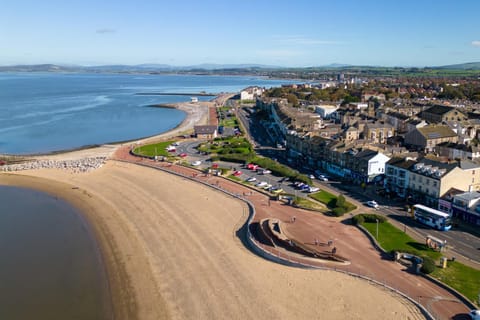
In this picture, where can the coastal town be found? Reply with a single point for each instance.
(314, 162)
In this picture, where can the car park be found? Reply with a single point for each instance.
(373, 204)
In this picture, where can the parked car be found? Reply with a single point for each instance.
(251, 179)
(475, 314)
(373, 204)
(322, 178)
(237, 173)
(264, 171)
(261, 184)
(183, 155)
(304, 187)
(196, 163)
(276, 190)
(267, 186)
(313, 189)
(311, 176)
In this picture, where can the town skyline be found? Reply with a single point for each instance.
(306, 34)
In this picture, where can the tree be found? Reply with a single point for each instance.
(292, 99)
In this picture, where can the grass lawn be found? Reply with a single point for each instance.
(330, 200)
(310, 205)
(461, 277)
(391, 238)
(324, 197)
(156, 149)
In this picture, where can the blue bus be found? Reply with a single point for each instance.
(431, 217)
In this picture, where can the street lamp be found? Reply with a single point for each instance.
(377, 228)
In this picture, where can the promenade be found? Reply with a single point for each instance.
(350, 242)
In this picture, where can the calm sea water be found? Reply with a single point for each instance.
(49, 263)
(47, 112)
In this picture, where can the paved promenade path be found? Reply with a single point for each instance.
(349, 241)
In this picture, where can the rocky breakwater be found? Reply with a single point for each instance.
(76, 166)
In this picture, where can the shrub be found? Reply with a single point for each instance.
(358, 219)
(372, 218)
(428, 265)
(338, 211)
(340, 201)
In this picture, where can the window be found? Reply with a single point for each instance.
(428, 181)
(434, 183)
(413, 178)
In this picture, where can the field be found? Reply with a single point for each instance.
(157, 149)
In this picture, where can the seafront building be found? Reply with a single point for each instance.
(416, 151)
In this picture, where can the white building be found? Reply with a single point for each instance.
(251, 93)
(325, 110)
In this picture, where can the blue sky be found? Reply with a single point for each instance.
(286, 33)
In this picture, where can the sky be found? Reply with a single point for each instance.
(297, 33)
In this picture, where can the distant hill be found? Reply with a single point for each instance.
(462, 66)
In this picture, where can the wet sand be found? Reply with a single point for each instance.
(171, 248)
(172, 252)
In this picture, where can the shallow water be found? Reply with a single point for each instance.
(44, 112)
(50, 267)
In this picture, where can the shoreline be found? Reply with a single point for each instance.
(176, 255)
(118, 297)
(122, 300)
(194, 113)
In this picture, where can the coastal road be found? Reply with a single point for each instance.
(349, 241)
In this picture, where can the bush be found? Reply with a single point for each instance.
(340, 201)
(428, 265)
(339, 211)
(358, 219)
(372, 218)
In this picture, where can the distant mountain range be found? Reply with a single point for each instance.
(153, 68)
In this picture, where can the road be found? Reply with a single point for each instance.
(459, 243)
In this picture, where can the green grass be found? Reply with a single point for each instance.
(309, 205)
(151, 150)
(460, 277)
(391, 238)
(464, 279)
(324, 197)
(330, 200)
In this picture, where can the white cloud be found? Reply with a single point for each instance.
(105, 30)
(476, 43)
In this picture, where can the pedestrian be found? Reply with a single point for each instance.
(330, 242)
(334, 250)
(316, 241)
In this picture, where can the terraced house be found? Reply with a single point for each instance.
(426, 180)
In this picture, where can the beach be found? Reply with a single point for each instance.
(172, 250)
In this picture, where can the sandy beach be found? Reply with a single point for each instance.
(171, 249)
(172, 252)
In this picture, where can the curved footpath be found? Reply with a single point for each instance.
(349, 241)
(172, 251)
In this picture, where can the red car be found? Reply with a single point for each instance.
(183, 155)
(237, 173)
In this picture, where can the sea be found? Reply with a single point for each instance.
(50, 266)
(48, 112)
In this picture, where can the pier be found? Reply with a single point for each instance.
(199, 94)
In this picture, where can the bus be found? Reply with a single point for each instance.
(431, 217)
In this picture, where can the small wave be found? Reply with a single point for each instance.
(28, 125)
(98, 101)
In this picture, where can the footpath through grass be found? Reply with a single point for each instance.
(156, 149)
(338, 205)
(462, 278)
